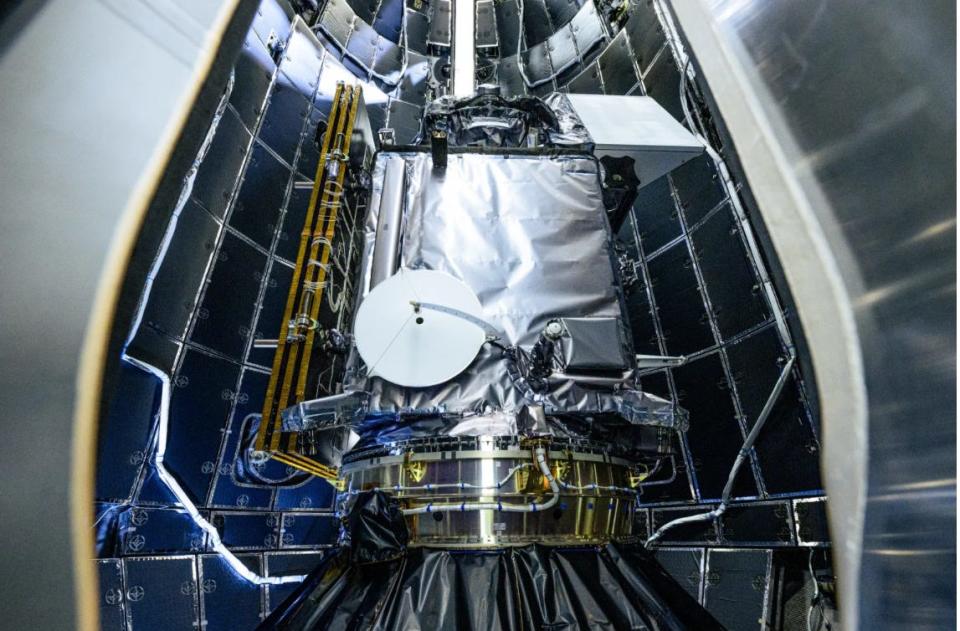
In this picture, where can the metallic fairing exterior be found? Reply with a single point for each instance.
(858, 102)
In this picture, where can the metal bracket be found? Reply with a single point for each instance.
(388, 136)
(629, 272)
(660, 361)
(488, 328)
(415, 469)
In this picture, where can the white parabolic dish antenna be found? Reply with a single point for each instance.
(413, 346)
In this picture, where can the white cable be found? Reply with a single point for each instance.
(597, 487)
(741, 457)
(335, 305)
(523, 75)
(816, 591)
(454, 485)
(531, 507)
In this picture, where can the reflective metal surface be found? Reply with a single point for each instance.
(596, 504)
(845, 111)
(528, 234)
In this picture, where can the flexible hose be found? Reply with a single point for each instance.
(741, 458)
(531, 507)
(453, 485)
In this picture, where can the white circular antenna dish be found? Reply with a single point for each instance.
(419, 328)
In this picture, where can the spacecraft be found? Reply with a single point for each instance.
(490, 314)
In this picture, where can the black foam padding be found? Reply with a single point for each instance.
(656, 383)
(536, 23)
(229, 600)
(309, 530)
(270, 316)
(176, 286)
(366, 10)
(645, 33)
(314, 494)
(252, 74)
(337, 21)
(283, 123)
(657, 216)
(248, 530)
(685, 566)
(224, 317)
(111, 594)
(124, 433)
(508, 26)
(161, 593)
(641, 526)
(486, 26)
(734, 289)
(756, 363)
(587, 29)
(256, 211)
(587, 82)
(220, 169)
(332, 47)
(226, 492)
(543, 89)
(704, 531)
(562, 11)
(309, 149)
(418, 31)
(301, 63)
(362, 45)
(565, 77)
(201, 397)
(641, 321)
(294, 217)
(536, 64)
(154, 348)
(698, 187)
(811, 520)
(714, 436)
(616, 67)
(509, 77)
(413, 84)
(389, 20)
(786, 447)
(356, 70)
(562, 50)
(287, 563)
(736, 587)
(683, 316)
(158, 531)
(404, 118)
(757, 524)
(388, 61)
(273, 16)
(440, 23)
(377, 113)
(662, 81)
